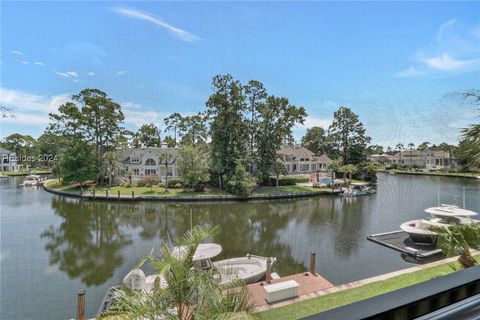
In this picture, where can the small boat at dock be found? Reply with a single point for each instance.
(358, 190)
(249, 269)
(443, 216)
(33, 180)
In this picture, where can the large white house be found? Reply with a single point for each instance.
(8, 160)
(299, 160)
(433, 159)
(139, 163)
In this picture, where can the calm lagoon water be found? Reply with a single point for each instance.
(52, 247)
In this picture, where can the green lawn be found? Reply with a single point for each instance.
(24, 172)
(160, 191)
(139, 191)
(337, 299)
(286, 189)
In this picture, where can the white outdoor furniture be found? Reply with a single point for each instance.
(281, 291)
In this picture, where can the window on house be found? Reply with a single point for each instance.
(150, 172)
(134, 159)
(150, 162)
(304, 167)
(136, 172)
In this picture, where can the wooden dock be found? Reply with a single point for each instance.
(308, 283)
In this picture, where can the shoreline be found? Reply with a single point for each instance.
(196, 198)
(450, 175)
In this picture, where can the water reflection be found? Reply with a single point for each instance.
(86, 244)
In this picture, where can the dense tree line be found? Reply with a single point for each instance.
(238, 132)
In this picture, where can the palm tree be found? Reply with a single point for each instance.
(191, 292)
(165, 157)
(459, 239)
(400, 148)
(334, 166)
(348, 169)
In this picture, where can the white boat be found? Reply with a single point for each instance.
(250, 268)
(358, 190)
(32, 180)
(442, 216)
(3, 176)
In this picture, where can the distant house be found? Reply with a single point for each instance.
(9, 160)
(143, 162)
(432, 159)
(409, 158)
(299, 160)
(435, 158)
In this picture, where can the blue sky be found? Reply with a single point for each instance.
(397, 65)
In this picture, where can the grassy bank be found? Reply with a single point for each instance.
(25, 173)
(435, 173)
(160, 191)
(337, 299)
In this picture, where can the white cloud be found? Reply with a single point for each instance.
(68, 74)
(177, 32)
(30, 109)
(443, 28)
(447, 63)
(39, 63)
(120, 73)
(137, 115)
(316, 122)
(24, 62)
(17, 52)
(91, 74)
(33, 109)
(455, 50)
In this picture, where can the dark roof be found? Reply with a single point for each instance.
(3, 150)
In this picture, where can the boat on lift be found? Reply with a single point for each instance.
(442, 216)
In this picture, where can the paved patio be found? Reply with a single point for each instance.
(308, 283)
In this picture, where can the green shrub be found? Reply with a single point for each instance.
(286, 181)
(241, 184)
(175, 183)
(149, 181)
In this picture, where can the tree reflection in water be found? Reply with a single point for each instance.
(86, 244)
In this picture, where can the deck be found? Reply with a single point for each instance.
(308, 283)
(400, 241)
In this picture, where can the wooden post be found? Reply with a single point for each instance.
(106, 193)
(268, 275)
(81, 305)
(118, 191)
(133, 195)
(312, 263)
(93, 193)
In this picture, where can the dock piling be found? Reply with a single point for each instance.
(312, 263)
(106, 193)
(118, 192)
(133, 195)
(268, 275)
(93, 193)
(81, 305)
